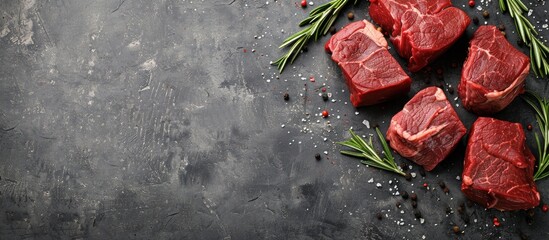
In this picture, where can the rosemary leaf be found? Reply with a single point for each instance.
(363, 149)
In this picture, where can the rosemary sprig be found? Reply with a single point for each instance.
(320, 20)
(539, 52)
(541, 107)
(366, 150)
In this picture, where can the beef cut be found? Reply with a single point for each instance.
(420, 30)
(493, 74)
(371, 73)
(499, 167)
(427, 129)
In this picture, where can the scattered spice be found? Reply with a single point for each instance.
(325, 97)
(451, 90)
(379, 216)
(475, 20)
(414, 204)
(318, 157)
(286, 96)
(404, 195)
(417, 214)
(544, 208)
(332, 30)
(520, 42)
(456, 229)
(425, 185)
(471, 3)
(413, 196)
(501, 27)
(446, 190)
(485, 14)
(441, 184)
(529, 127)
(323, 89)
(422, 172)
(304, 3)
(397, 204)
(325, 114)
(496, 222)
(350, 15)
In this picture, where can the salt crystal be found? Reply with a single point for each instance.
(325, 152)
(530, 12)
(366, 123)
(458, 178)
(378, 185)
(423, 236)
(544, 25)
(371, 180)
(413, 174)
(356, 113)
(282, 126)
(421, 220)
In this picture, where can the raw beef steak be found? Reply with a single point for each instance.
(421, 30)
(427, 129)
(499, 167)
(493, 74)
(372, 74)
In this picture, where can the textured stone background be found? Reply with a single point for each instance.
(163, 120)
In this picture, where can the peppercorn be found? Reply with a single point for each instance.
(465, 218)
(397, 204)
(413, 196)
(403, 165)
(485, 14)
(520, 42)
(304, 3)
(531, 212)
(523, 236)
(446, 190)
(529, 127)
(305, 49)
(325, 96)
(475, 20)
(469, 203)
(422, 172)
(501, 27)
(448, 210)
(379, 216)
(544, 208)
(414, 204)
(460, 210)
(404, 195)
(350, 15)
(286, 96)
(471, 3)
(425, 185)
(456, 229)
(325, 114)
(417, 214)
(451, 90)
(333, 30)
(441, 184)
(318, 157)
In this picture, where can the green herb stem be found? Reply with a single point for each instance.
(539, 52)
(541, 107)
(319, 20)
(363, 149)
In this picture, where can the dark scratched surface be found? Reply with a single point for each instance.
(164, 120)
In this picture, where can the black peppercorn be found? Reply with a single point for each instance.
(475, 20)
(417, 213)
(501, 27)
(422, 172)
(325, 96)
(441, 184)
(520, 42)
(414, 204)
(404, 195)
(332, 30)
(318, 157)
(413, 196)
(448, 210)
(456, 229)
(379, 216)
(286, 96)
(446, 190)
(451, 90)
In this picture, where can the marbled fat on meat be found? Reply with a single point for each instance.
(499, 167)
(420, 30)
(427, 129)
(493, 74)
(371, 73)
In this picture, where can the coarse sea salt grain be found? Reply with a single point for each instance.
(371, 180)
(366, 123)
(378, 185)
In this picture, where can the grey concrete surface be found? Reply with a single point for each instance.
(164, 120)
